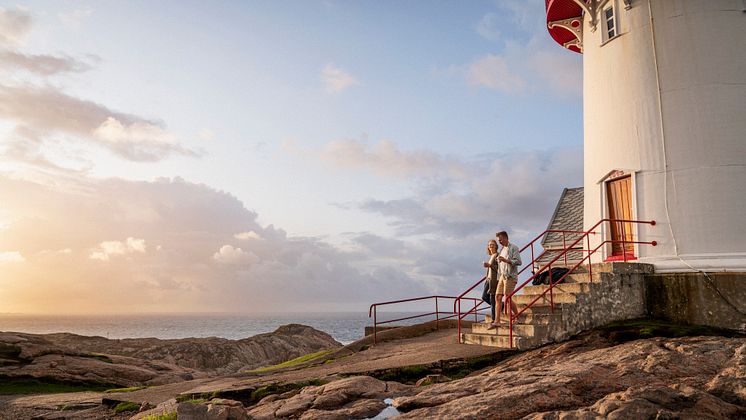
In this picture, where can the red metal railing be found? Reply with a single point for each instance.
(589, 251)
(534, 259)
(373, 311)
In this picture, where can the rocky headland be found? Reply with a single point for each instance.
(65, 358)
(614, 372)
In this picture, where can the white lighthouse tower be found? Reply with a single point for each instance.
(664, 96)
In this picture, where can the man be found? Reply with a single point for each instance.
(508, 261)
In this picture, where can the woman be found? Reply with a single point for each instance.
(492, 272)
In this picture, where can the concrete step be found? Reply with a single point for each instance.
(540, 308)
(556, 298)
(560, 288)
(501, 341)
(598, 276)
(523, 330)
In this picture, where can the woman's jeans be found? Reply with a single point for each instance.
(493, 305)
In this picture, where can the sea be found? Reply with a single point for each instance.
(345, 327)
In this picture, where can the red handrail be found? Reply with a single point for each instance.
(457, 302)
(552, 282)
(373, 311)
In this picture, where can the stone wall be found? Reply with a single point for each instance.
(718, 299)
(619, 295)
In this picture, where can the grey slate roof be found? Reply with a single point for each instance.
(568, 215)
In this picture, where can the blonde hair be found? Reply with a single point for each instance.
(492, 241)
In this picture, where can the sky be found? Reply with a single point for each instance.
(184, 156)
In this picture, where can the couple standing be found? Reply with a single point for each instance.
(502, 273)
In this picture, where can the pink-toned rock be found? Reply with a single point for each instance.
(568, 378)
(354, 397)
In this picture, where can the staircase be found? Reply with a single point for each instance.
(616, 293)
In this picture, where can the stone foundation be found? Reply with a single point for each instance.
(693, 298)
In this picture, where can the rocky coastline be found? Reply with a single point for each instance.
(604, 373)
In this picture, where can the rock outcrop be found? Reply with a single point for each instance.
(700, 377)
(350, 398)
(148, 361)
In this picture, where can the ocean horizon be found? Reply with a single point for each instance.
(344, 327)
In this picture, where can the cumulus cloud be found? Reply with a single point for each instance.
(383, 158)
(11, 257)
(522, 61)
(493, 72)
(227, 254)
(73, 19)
(45, 65)
(336, 80)
(488, 27)
(247, 235)
(48, 110)
(203, 265)
(107, 249)
(14, 24)
(468, 196)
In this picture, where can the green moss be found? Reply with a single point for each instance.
(293, 362)
(130, 389)
(636, 329)
(166, 416)
(126, 406)
(405, 374)
(44, 386)
(98, 356)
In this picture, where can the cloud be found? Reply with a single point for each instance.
(48, 110)
(247, 235)
(45, 65)
(489, 28)
(336, 80)
(227, 254)
(11, 257)
(203, 265)
(383, 158)
(107, 249)
(493, 72)
(14, 24)
(74, 19)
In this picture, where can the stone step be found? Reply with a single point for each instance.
(546, 299)
(598, 276)
(542, 308)
(559, 288)
(523, 330)
(536, 315)
(501, 341)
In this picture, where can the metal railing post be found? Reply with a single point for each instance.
(551, 289)
(590, 259)
(564, 247)
(437, 319)
(624, 243)
(375, 324)
(458, 322)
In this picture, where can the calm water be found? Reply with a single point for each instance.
(345, 327)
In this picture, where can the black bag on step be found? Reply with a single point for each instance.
(543, 277)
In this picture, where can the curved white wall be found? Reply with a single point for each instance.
(669, 105)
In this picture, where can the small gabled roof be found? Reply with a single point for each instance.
(568, 215)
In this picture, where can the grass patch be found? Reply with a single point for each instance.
(166, 416)
(293, 362)
(98, 356)
(126, 406)
(130, 389)
(264, 391)
(405, 374)
(637, 329)
(16, 386)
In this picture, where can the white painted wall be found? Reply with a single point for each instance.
(669, 105)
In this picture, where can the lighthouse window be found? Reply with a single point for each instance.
(610, 23)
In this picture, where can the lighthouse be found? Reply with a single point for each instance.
(664, 99)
